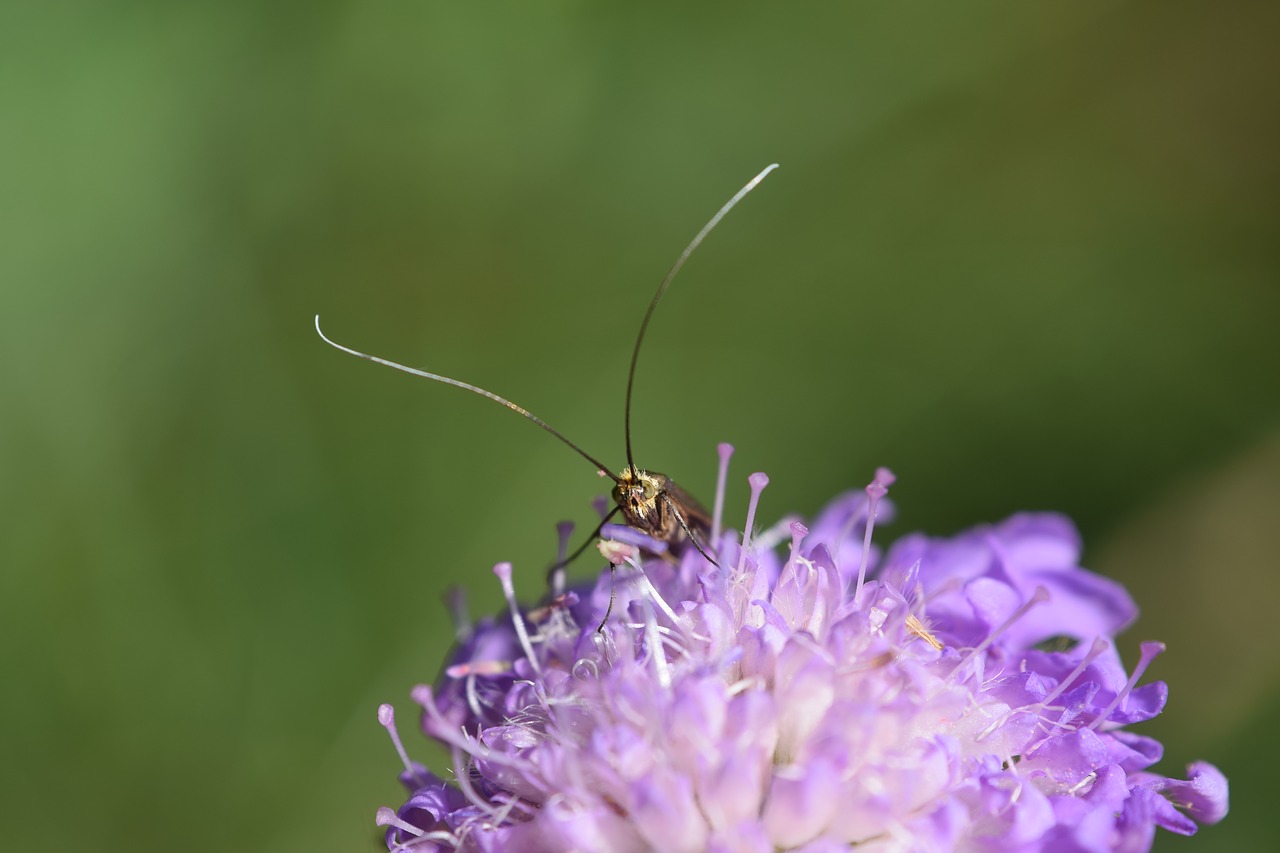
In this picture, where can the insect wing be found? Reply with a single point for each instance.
(695, 515)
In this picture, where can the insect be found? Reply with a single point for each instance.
(649, 502)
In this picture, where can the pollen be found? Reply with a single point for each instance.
(915, 626)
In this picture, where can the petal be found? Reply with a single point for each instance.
(801, 804)
(1205, 796)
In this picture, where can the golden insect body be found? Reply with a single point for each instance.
(653, 504)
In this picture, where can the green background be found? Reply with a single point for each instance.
(1023, 253)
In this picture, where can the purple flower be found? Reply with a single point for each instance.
(960, 693)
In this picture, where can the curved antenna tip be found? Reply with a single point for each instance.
(331, 342)
(662, 289)
(751, 184)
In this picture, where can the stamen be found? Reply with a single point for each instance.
(856, 514)
(478, 667)
(754, 682)
(473, 697)
(503, 571)
(758, 481)
(503, 809)
(798, 532)
(654, 641)
(650, 592)
(1040, 596)
(437, 837)
(1150, 651)
(1052, 727)
(387, 817)
(555, 607)
(1080, 786)
(444, 730)
(455, 601)
(726, 451)
(821, 605)
(564, 529)
(876, 490)
(462, 773)
(1099, 646)
(773, 536)
(673, 642)
(915, 626)
(387, 719)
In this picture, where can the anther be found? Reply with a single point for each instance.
(503, 571)
(387, 719)
(758, 481)
(388, 817)
(478, 667)
(876, 490)
(1150, 651)
(798, 532)
(726, 451)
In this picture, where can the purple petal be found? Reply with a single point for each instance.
(1205, 796)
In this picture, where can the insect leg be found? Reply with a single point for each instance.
(555, 574)
(613, 593)
(671, 505)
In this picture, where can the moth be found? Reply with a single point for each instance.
(650, 502)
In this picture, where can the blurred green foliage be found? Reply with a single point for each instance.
(1024, 254)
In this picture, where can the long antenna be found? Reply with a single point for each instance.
(662, 289)
(472, 388)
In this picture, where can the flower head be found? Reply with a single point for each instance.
(960, 693)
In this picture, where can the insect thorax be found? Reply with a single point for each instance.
(640, 497)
